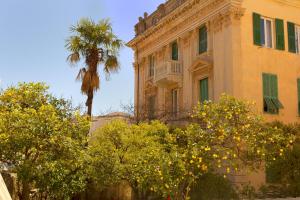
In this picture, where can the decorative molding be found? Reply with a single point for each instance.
(228, 17)
(294, 3)
(207, 6)
(185, 38)
(203, 11)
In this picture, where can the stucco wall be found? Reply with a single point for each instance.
(256, 60)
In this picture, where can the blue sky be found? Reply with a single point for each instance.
(32, 39)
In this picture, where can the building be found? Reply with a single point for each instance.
(100, 121)
(195, 50)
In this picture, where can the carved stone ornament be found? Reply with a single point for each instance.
(228, 17)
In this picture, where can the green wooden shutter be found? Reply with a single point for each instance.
(256, 29)
(274, 86)
(274, 92)
(202, 39)
(292, 37)
(298, 87)
(175, 51)
(204, 90)
(279, 34)
(266, 86)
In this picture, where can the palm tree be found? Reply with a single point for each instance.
(97, 45)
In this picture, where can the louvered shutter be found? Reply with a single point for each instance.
(256, 29)
(279, 34)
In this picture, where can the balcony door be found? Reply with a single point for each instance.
(151, 107)
(175, 105)
(203, 93)
(174, 55)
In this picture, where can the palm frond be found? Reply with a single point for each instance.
(90, 81)
(74, 58)
(81, 74)
(74, 44)
(117, 44)
(111, 64)
(95, 82)
(86, 82)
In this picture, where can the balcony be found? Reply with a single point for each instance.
(168, 74)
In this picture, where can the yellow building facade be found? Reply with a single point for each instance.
(195, 50)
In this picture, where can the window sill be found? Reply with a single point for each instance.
(271, 114)
(265, 47)
(204, 54)
(294, 53)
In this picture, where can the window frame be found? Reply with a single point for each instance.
(151, 70)
(264, 31)
(297, 38)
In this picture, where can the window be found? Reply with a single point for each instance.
(151, 65)
(294, 37)
(202, 39)
(266, 33)
(174, 51)
(263, 32)
(175, 107)
(270, 94)
(151, 107)
(203, 85)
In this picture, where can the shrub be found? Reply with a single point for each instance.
(212, 186)
(284, 173)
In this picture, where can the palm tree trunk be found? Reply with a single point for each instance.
(89, 102)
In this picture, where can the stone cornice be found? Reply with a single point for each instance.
(190, 4)
(294, 3)
(187, 6)
(217, 15)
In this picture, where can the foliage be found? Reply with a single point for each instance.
(43, 139)
(213, 186)
(96, 44)
(247, 191)
(285, 171)
(225, 137)
(120, 151)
